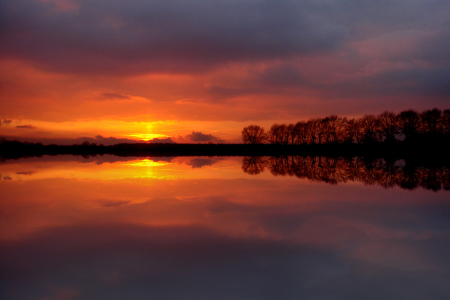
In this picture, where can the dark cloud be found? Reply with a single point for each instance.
(220, 94)
(120, 37)
(202, 138)
(113, 203)
(282, 76)
(373, 18)
(5, 122)
(113, 96)
(278, 80)
(26, 126)
(435, 47)
(434, 83)
(109, 141)
(224, 93)
(139, 36)
(430, 84)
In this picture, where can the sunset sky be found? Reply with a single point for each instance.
(199, 71)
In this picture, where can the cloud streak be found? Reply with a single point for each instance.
(26, 126)
(113, 96)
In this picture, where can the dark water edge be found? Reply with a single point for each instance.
(423, 152)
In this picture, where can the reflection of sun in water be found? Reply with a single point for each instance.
(147, 168)
(147, 163)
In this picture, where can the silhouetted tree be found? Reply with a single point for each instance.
(312, 127)
(273, 135)
(291, 133)
(322, 130)
(338, 132)
(369, 128)
(388, 126)
(408, 122)
(284, 130)
(334, 127)
(254, 134)
(430, 121)
(446, 121)
(353, 131)
(301, 133)
(278, 134)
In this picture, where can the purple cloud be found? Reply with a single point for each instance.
(202, 138)
(138, 36)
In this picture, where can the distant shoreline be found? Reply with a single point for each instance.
(419, 151)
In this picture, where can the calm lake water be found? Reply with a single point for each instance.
(111, 227)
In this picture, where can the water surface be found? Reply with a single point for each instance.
(107, 227)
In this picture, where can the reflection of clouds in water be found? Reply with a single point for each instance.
(194, 262)
(253, 238)
(202, 161)
(170, 262)
(26, 173)
(5, 178)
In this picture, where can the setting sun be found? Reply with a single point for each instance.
(146, 136)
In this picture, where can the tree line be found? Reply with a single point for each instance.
(387, 127)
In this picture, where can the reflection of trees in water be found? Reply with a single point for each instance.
(254, 164)
(369, 171)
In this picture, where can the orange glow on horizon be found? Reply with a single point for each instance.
(146, 136)
(119, 129)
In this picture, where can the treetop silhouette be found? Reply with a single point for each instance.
(386, 127)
